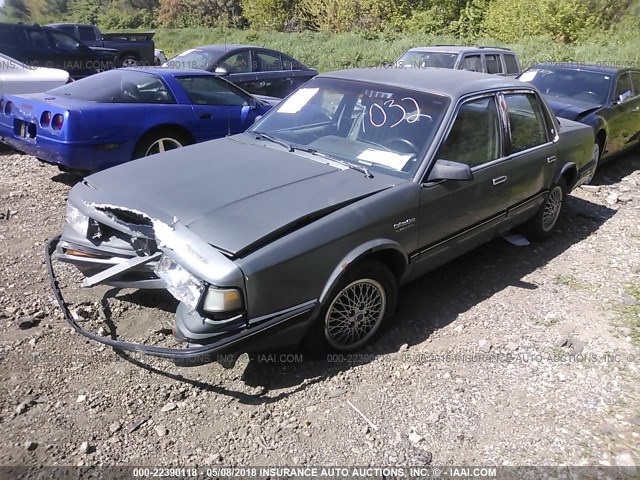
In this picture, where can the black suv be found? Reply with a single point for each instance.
(49, 47)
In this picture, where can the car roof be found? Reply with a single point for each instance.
(441, 81)
(165, 72)
(458, 49)
(587, 67)
(225, 47)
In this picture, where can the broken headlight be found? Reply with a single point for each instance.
(181, 284)
(76, 220)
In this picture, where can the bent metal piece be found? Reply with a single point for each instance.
(194, 355)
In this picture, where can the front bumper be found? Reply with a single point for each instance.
(261, 334)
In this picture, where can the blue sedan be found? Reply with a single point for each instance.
(120, 115)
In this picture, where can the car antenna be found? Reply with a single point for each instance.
(224, 33)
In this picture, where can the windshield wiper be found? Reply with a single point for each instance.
(359, 168)
(271, 138)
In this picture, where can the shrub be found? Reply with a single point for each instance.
(267, 14)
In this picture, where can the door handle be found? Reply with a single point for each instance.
(205, 116)
(551, 159)
(499, 180)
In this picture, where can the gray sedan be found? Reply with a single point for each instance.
(303, 228)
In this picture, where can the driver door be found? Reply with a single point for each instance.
(457, 215)
(219, 108)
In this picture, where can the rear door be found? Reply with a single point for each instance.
(272, 78)
(531, 149)
(220, 109)
(457, 215)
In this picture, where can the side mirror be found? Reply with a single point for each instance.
(621, 98)
(448, 170)
(223, 72)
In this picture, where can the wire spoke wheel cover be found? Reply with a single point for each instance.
(552, 208)
(355, 314)
(162, 145)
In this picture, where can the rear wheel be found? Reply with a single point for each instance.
(159, 142)
(362, 301)
(129, 61)
(546, 220)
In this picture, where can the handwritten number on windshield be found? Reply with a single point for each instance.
(379, 114)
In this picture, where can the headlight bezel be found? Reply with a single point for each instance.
(180, 282)
(200, 295)
(76, 220)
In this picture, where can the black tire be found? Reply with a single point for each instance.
(128, 61)
(599, 144)
(549, 216)
(173, 138)
(379, 290)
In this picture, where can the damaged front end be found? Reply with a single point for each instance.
(126, 248)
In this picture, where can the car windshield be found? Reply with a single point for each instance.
(195, 59)
(427, 59)
(592, 87)
(379, 127)
(117, 86)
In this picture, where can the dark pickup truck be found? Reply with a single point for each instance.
(48, 47)
(133, 48)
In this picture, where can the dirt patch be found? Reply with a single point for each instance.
(509, 355)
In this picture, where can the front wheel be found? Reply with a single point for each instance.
(546, 220)
(595, 156)
(358, 306)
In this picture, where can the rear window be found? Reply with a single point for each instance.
(511, 63)
(118, 86)
(86, 34)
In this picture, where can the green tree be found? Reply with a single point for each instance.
(16, 10)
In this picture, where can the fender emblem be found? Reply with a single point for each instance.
(409, 222)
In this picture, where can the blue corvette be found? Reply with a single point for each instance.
(120, 115)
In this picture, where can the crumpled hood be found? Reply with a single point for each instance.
(232, 194)
(570, 108)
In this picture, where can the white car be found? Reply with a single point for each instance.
(17, 78)
(159, 57)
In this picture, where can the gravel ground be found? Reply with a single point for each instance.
(507, 356)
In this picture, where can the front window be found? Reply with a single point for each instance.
(581, 85)
(427, 59)
(117, 86)
(62, 41)
(195, 59)
(383, 128)
(474, 138)
(472, 63)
